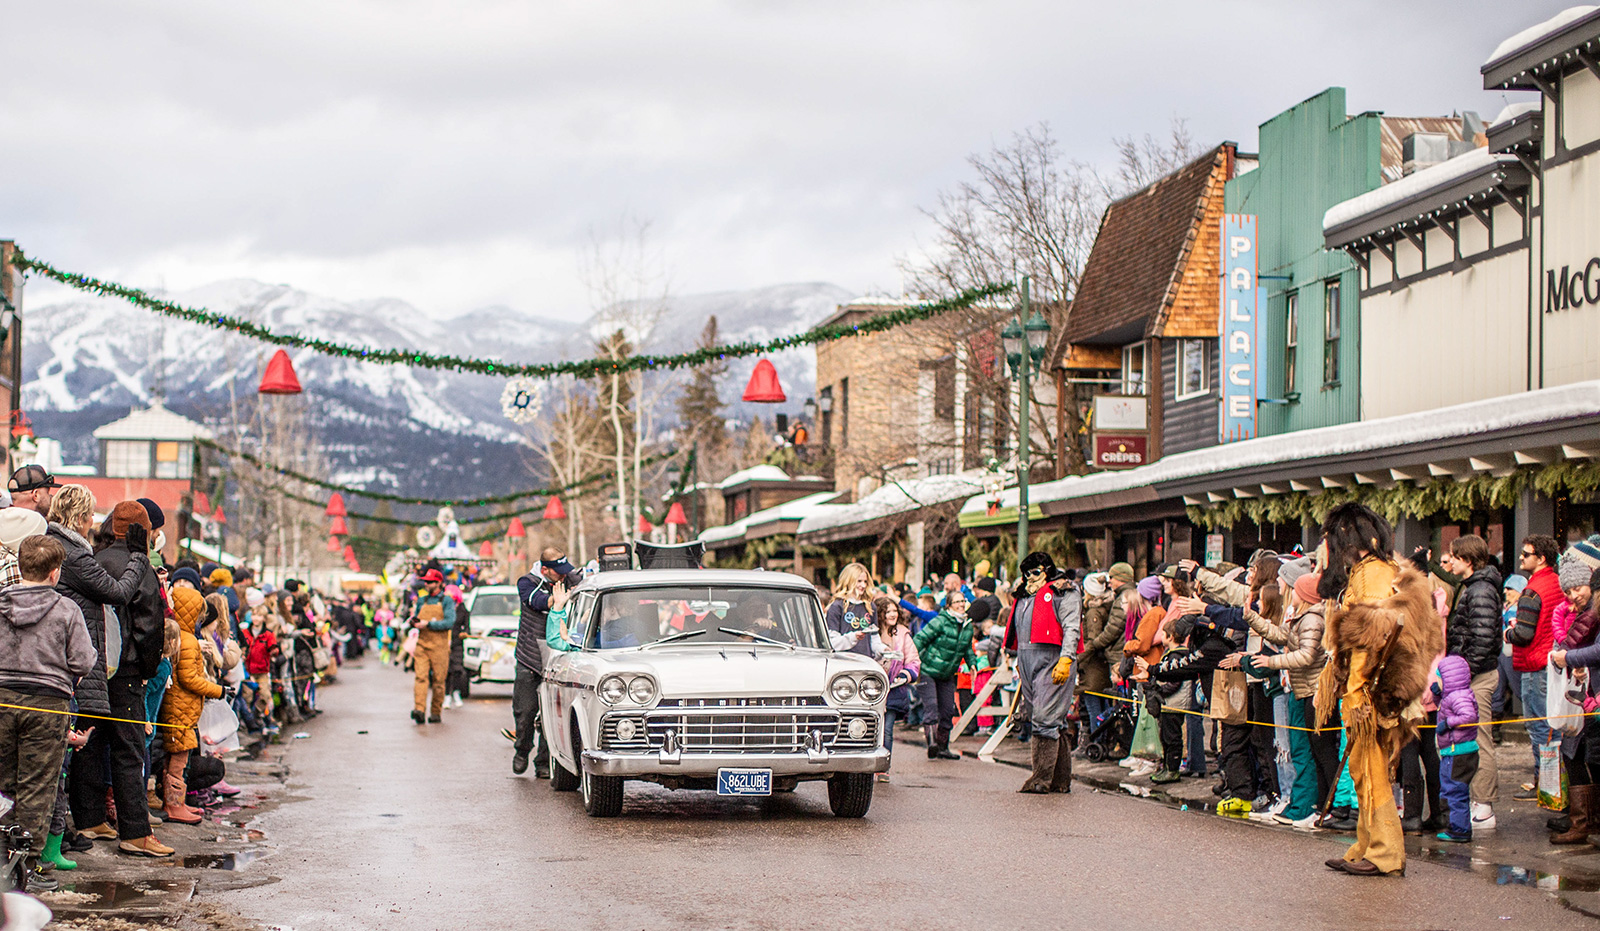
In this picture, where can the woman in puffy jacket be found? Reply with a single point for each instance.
(185, 698)
(896, 652)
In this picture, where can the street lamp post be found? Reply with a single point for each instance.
(1024, 345)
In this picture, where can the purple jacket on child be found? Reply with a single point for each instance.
(1458, 709)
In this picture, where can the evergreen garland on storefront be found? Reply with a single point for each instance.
(1454, 499)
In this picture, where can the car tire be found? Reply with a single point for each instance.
(850, 794)
(602, 795)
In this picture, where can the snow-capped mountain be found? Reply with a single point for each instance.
(88, 360)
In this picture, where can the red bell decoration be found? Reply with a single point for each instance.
(486, 551)
(349, 553)
(645, 526)
(516, 531)
(335, 506)
(763, 387)
(279, 378)
(355, 566)
(339, 529)
(219, 517)
(202, 504)
(553, 509)
(675, 515)
(333, 544)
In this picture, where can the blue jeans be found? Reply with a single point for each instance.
(1096, 707)
(1533, 706)
(1457, 791)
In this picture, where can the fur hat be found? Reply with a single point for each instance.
(1121, 573)
(187, 606)
(126, 514)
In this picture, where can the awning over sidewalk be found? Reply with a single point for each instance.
(831, 522)
(782, 518)
(1493, 436)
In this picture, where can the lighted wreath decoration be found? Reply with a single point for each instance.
(522, 399)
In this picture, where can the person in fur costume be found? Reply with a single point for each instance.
(1379, 684)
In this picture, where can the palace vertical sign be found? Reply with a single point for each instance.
(1242, 300)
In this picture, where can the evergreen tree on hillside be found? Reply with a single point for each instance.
(700, 409)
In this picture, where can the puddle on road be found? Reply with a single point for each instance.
(223, 861)
(104, 894)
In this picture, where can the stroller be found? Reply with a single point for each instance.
(1112, 738)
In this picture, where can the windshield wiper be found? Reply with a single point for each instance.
(680, 635)
(753, 635)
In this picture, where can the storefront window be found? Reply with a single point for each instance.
(1193, 380)
(1330, 333)
(1133, 369)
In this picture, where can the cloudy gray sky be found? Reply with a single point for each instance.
(457, 154)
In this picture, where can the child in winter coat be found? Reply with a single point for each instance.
(180, 707)
(1458, 745)
(896, 652)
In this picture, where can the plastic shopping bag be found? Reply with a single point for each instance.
(1562, 713)
(219, 727)
(1146, 737)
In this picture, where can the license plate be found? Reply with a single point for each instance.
(744, 781)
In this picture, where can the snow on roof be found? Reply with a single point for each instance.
(760, 473)
(153, 423)
(894, 498)
(1412, 185)
(1546, 405)
(1514, 110)
(789, 510)
(1539, 32)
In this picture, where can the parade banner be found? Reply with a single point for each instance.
(1242, 299)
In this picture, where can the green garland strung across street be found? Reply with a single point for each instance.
(260, 463)
(581, 368)
(1456, 500)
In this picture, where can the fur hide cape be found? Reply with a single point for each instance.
(1366, 626)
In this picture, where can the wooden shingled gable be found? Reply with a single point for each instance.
(1146, 275)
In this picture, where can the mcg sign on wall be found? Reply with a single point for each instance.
(1242, 299)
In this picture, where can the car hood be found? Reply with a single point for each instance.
(737, 670)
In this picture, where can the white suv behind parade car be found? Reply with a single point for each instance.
(708, 679)
(489, 651)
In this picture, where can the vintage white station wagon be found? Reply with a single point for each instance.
(709, 679)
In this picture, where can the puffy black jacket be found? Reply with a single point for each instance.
(143, 618)
(91, 587)
(1473, 629)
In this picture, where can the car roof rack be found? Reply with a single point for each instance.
(670, 556)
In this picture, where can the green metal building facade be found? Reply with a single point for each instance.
(1312, 156)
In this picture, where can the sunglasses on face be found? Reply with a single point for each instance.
(1035, 572)
(1528, 554)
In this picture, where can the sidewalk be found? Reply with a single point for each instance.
(1517, 852)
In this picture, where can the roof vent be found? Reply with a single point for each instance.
(1423, 150)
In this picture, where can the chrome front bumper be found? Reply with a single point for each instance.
(599, 763)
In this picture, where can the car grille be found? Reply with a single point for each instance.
(507, 634)
(740, 725)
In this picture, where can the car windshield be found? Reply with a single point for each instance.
(718, 614)
(495, 603)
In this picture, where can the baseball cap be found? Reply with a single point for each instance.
(31, 477)
(433, 575)
(17, 524)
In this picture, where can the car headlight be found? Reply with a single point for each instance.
(871, 688)
(612, 689)
(843, 689)
(642, 690)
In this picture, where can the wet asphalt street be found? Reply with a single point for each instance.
(407, 827)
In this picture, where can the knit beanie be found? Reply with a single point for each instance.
(1095, 585)
(187, 606)
(253, 598)
(1121, 573)
(1150, 588)
(1305, 587)
(1291, 570)
(1516, 583)
(126, 514)
(1573, 570)
(221, 577)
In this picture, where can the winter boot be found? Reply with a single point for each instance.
(1580, 808)
(1045, 754)
(175, 811)
(933, 744)
(1062, 781)
(1025, 732)
(52, 854)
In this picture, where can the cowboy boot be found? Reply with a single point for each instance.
(1062, 781)
(175, 810)
(1045, 752)
(1580, 808)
